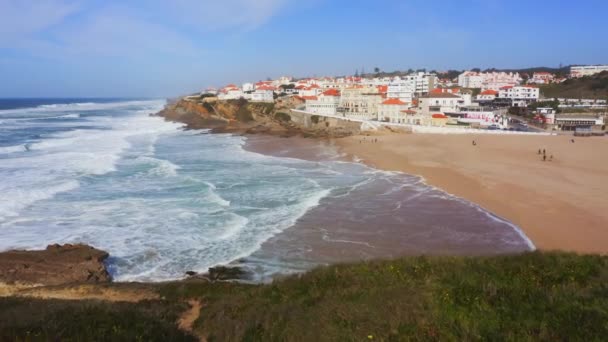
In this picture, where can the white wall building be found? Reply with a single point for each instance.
(262, 95)
(360, 102)
(438, 103)
(470, 79)
(402, 90)
(587, 70)
(326, 104)
(393, 111)
(248, 87)
(519, 93)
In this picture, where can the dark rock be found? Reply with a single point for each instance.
(56, 265)
(191, 273)
(227, 273)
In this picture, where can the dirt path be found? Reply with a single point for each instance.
(186, 321)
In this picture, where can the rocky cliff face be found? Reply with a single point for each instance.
(240, 116)
(56, 265)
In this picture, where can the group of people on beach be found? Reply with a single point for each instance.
(544, 153)
(374, 140)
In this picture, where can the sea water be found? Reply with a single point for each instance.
(160, 199)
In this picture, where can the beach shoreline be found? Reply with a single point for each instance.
(558, 203)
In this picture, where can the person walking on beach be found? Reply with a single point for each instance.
(544, 157)
(539, 152)
(474, 143)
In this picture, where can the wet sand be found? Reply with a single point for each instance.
(560, 204)
(387, 216)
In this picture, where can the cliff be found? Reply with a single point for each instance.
(54, 266)
(243, 117)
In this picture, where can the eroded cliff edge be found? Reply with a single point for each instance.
(243, 117)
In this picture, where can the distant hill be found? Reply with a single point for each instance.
(589, 87)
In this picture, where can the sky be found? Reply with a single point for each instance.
(160, 48)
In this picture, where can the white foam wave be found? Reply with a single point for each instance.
(163, 168)
(15, 199)
(12, 149)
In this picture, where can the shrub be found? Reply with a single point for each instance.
(283, 117)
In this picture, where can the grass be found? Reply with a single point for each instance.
(589, 87)
(535, 296)
(59, 320)
(530, 297)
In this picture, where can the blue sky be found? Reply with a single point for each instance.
(108, 48)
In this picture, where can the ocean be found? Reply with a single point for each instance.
(163, 200)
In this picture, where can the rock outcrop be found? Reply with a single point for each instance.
(56, 265)
(242, 117)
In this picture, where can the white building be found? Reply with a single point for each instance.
(360, 102)
(519, 93)
(263, 94)
(497, 80)
(587, 70)
(488, 80)
(248, 87)
(438, 103)
(542, 78)
(326, 103)
(393, 111)
(402, 90)
(470, 79)
(231, 92)
(487, 95)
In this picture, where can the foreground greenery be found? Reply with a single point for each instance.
(534, 296)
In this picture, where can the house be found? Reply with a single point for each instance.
(487, 95)
(230, 92)
(393, 111)
(439, 120)
(360, 102)
(542, 78)
(470, 79)
(326, 103)
(248, 87)
(518, 96)
(438, 103)
(263, 93)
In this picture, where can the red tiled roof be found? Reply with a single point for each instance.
(394, 102)
(331, 92)
(265, 87)
(309, 98)
(383, 88)
(506, 87)
(489, 92)
(408, 111)
(439, 116)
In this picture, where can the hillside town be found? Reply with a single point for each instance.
(493, 100)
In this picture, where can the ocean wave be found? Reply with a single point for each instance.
(21, 198)
(13, 149)
(163, 168)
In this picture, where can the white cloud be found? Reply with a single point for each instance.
(222, 14)
(20, 18)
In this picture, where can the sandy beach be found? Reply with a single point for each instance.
(560, 204)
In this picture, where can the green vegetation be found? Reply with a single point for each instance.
(589, 87)
(283, 117)
(529, 297)
(56, 320)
